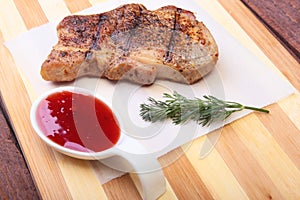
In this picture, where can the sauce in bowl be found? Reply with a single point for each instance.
(78, 121)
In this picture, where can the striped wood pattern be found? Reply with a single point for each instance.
(257, 157)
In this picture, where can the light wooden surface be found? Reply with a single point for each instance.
(256, 157)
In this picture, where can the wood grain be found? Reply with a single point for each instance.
(289, 139)
(256, 157)
(75, 6)
(287, 16)
(31, 13)
(264, 39)
(242, 163)
(13, 172)
(125, 187)
(12, 88)
(190, 185)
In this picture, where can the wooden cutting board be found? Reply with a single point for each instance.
(256, 157)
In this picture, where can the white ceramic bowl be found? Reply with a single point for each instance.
(144, 164)
(64, 150)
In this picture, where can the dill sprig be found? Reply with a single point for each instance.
(181, 109)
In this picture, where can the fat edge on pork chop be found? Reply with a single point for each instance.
(132, 43)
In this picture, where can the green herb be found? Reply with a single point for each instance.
(180, 109)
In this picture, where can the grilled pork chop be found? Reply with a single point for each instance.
(133, 43)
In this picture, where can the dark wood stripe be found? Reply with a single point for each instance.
(31, 12)
(11, 81)
(121, 188)
(190, 185)
(170, 47)
(267, 13)
(264, 40)
(248, 172)
(289, 140)
(14, 174)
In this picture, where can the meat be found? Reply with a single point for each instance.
(132, 43)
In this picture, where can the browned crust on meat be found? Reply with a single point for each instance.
(134, 43)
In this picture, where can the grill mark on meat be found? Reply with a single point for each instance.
(96, 38)
(170, 47)
(167, 43)
(137, 20)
